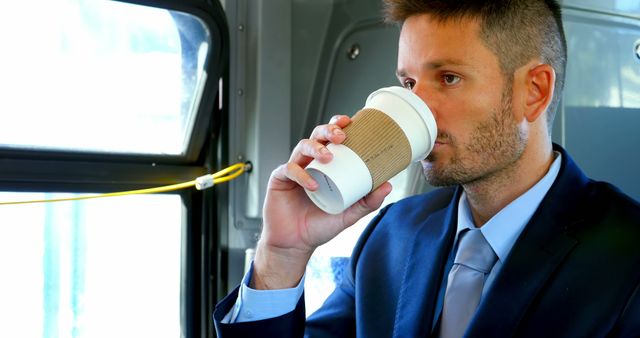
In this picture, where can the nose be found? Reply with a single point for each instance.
(428, 98)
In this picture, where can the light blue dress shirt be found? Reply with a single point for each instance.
(501, 231)
(253, 305)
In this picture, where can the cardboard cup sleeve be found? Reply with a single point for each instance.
(394, 129)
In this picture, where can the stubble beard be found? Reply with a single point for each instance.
(495, 144)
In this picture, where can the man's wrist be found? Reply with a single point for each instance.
(277, 268)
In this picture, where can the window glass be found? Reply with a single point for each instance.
(108, 267)
(123, 78)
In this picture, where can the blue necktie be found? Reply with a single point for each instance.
(472, 264)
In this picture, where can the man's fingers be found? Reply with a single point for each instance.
(315, 147)
(293, 172)
(341, 120)
(331, 132)
(328, 133)
(307, 150)
(368, 203)
(375, 198)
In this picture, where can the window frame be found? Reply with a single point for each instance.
(33, 170)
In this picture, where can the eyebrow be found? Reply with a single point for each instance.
(435, 65)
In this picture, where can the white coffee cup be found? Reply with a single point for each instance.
(394, 129)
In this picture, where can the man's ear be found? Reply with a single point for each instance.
(540, 87)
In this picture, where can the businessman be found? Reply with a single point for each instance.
(517, 242)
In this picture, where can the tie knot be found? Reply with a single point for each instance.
(475, 252)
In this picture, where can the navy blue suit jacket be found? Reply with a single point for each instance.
(573, 272)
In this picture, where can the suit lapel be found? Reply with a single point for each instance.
(422, 272)
(537, 253)
(524, 273)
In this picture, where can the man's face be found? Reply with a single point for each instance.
(450, 68)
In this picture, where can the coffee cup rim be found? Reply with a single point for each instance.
(415, 101)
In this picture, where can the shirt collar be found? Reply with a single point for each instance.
(502, 230)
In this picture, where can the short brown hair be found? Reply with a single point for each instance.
(515, 30)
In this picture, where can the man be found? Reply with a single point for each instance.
(563, 249)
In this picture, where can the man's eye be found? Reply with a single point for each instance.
(409, 84)
(450, 79)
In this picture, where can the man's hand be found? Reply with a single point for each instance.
(293, 226)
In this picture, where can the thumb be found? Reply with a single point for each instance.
(367, 204)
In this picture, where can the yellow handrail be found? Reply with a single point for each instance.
(201, 183)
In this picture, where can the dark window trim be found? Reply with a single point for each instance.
(93, 172)
(80, 176)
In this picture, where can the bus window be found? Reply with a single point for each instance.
(85, 69)
(102, 96)
(98, 268)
